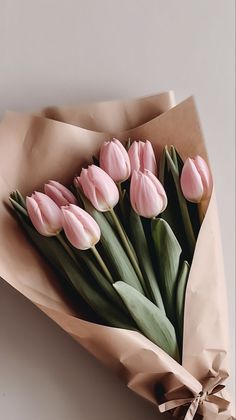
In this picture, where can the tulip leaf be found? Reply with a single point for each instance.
(112, 250)
(171, 214)
(18, 197)
(100, 278)
(18, 207)
(168, 253)
(128, 144)
(180, 298)
(141, 247)
(56, 255)
(190, 237)
(150, 319)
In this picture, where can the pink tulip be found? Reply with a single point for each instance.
(142, 157)
(98, 187)
(59, 194)
(196, 180)
(80, 228)
(147, 195)
(44, 214)
(115, 161)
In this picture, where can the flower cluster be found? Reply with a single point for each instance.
(116, 227)
(58, 208)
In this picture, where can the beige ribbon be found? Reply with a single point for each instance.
(208, 394)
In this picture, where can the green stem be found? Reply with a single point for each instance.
(174, 157)
(66, 247)
(121, 201)
(125, 242)
(102, 264)
(162, 166)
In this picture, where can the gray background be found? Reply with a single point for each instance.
(68, 51)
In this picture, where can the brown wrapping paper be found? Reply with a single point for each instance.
(53, 145)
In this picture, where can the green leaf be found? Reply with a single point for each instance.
(100, 278)
(18, 197)
(56, 255)
(173, 155)
(190, 237)
(141, 247)
(128, 144)
(168, 253)
(172, 214)
(180, 297)
(149, 318)
(21, 200)
(112, 250)
(18, 207)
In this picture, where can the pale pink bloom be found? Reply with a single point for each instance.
(142, 157)
(59, 193)
(147, 195)
(80, 228)
(196, 180)
(114, 160)
(44, 214)
(98, 187)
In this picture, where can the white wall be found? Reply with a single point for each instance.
(67, 51)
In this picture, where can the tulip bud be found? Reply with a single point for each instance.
(196, 180)
(44, 214)
(80, 228)
(59, 194)
(115, 161)
(142, 157)
(98, 187)
(147, 195)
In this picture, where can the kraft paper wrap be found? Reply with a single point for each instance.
(54, 144)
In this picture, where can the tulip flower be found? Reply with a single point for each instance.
(98, 187)
(196, 180)
(147, 195)
(80, 228)
(59, 194)
(114, 160)
(142, 157)
(44, 214)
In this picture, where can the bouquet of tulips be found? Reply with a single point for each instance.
(125, 239)
(131, 267)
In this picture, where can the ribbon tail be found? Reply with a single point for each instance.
(171, 405)
(192, 409)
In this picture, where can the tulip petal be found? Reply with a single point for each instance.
(205, 174)
(106, 190)
(148, 201)
(67, 194)
(191, 182)
(148, 158)
(133, 190)
(51, 214)
(36, 216)
(114, 160)
(90, 225)
(145, 197)
(55, 195)
(133, 153)
(75, 231)
(159, 188)
(90, 190)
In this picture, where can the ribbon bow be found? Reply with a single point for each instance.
(208, 394)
